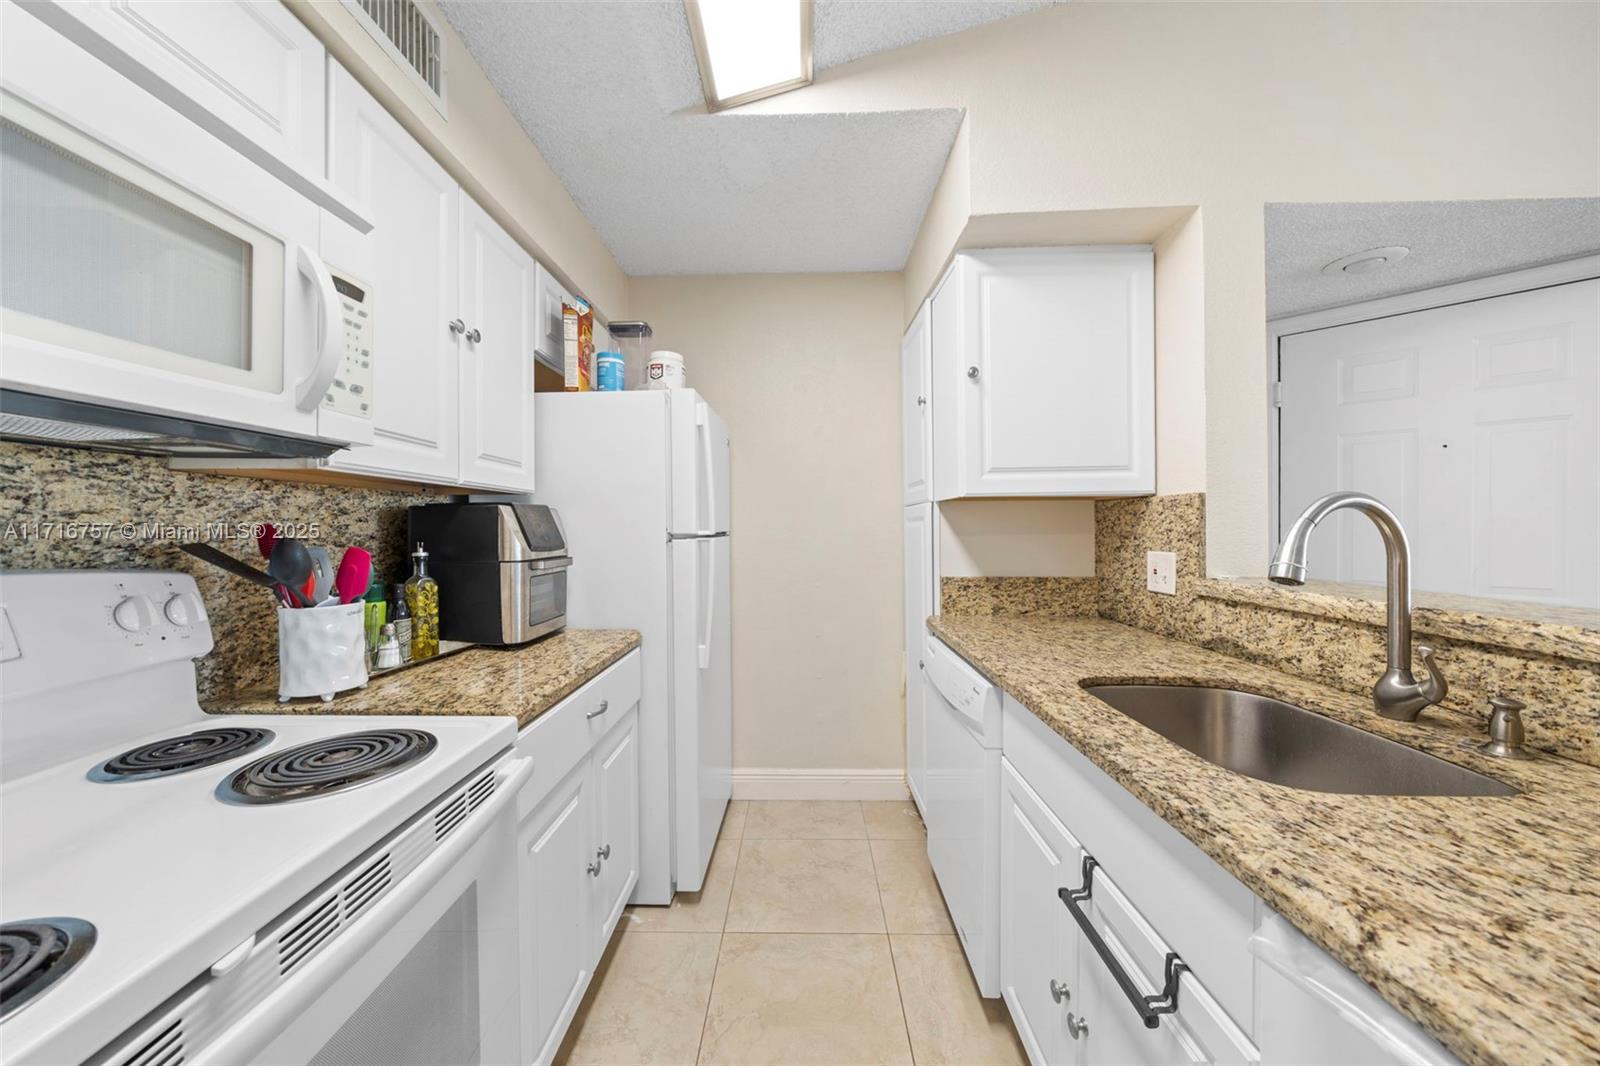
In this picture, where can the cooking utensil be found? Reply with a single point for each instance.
(266, 536)
(224, 561)
(355, 574)
(292, 565)
(322, 574)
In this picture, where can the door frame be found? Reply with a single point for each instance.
(1583, 268)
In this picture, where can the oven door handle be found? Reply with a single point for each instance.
(244, 1038)
(330, 333)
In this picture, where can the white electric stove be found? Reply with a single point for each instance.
(178, 886)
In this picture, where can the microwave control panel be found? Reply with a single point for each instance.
(351, 391)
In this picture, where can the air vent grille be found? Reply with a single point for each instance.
(366, 886)
(449, 816)
(481, 790)
(302, 937)
(410, 37)
(163, 1049)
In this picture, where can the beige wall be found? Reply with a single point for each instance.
(1016, 538)
(483, 147)
(804, 369)
(1228, 107)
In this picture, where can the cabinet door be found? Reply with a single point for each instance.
(1038, 942)
(916, 425)
(556, 848)
(249, 64)
(497, 297)
(919, 585)
(616, 764)
(549, 339)
(1057, 372)
(415, 290)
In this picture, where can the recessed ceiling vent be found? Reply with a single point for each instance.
(1368, 261)
(412, 39)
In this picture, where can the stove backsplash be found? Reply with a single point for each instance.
(62, 508)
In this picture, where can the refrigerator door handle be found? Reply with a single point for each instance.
(708, 491)
(711, 603)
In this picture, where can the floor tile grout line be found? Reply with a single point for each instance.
(894, 967)
(711, 991)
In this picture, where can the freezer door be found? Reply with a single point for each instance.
(699, 466)
(702, 702)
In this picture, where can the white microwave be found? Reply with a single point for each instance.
(146, 266)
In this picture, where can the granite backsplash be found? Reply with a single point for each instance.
(1032, 597)
(1339, 642)
(68, 509)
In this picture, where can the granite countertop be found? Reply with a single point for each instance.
(1477, 917)
(524, 681)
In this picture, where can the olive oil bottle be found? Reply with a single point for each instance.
(422, 597)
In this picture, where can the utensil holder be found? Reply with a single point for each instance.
(321, 650)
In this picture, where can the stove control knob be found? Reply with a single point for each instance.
(183, 609)
(132, 614)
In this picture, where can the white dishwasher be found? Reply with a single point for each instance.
(963, 800)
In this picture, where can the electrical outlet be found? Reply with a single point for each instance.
(1161, 572)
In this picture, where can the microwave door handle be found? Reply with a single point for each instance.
(711, 600)
(309, 392)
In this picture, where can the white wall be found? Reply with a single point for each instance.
(1230, 106)
(1016, 538)
(805, 370)
(483, 147)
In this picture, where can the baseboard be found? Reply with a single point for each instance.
(784, 784)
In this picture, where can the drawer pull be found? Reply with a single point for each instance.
(1150, 1008)
(598, 711)
(1059, 992)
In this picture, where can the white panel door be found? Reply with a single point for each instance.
(702, 701)
(1038, 940)
(1478, 423)
(498, 291)
(916, 425)
(250, 63)
(416, 291)
(1057, 372)
(558, 870)
(919, 597)
(616, 767)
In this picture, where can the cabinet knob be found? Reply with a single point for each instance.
(594, 869)
(1059, 992)
(1076, 1025)
(972, 372)
(457, 326)
(474, 336)
(603, 851)
(922, 401)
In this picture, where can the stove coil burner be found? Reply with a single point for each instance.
(35, 954)
(324, 766)
(174, 755)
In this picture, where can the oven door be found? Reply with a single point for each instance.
(427, 975)
(146, 264)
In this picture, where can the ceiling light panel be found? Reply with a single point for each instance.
(750, 49)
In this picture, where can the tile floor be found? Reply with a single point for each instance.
(819, 937)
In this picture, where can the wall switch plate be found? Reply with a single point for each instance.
(1161, 572)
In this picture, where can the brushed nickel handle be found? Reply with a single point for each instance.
(474, 336)
(1076, 1026)
(457, 326)
(972, 372)
(594, 869)
(598, 711)
(1059, 992)
(604, 851)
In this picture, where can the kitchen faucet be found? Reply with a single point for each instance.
(1398, 694)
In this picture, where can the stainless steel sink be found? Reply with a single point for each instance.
(1278, 742)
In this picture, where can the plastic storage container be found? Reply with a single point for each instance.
(632, 340)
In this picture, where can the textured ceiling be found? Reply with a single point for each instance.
(599, 86)
(1450, 240)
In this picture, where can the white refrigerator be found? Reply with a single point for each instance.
(641, 482)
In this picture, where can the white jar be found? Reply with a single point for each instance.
(321, 650)
(665, 371)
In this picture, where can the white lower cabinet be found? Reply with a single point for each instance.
(1250, 989)
(577, 845)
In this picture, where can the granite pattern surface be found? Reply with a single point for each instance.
(1474, 916)
(103, 492)
(524, 681)
(1338, 641)
(1041, 597)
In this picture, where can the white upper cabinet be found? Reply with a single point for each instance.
(498, 294)
(549, 340)
(1043, 363)
(916, 425)
(416, 208)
